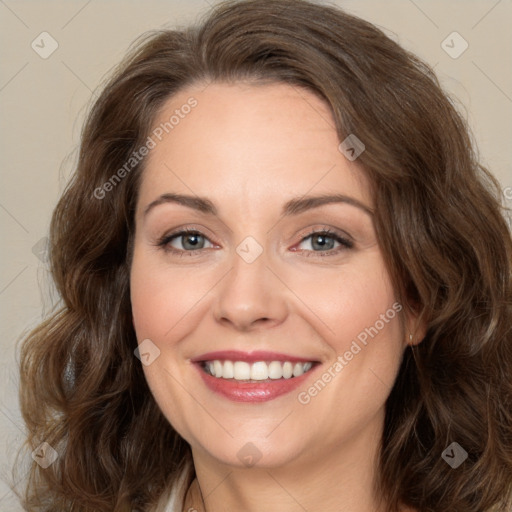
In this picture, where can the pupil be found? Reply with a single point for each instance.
(193, 236)
(322, 240)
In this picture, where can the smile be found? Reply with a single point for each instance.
(257, 376)
(257, 371)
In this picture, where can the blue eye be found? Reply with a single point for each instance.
(188, 237)
(325, 240)
(193, 241)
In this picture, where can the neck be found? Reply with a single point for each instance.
(339, 478)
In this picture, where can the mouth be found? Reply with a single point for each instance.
(253, 377)
(257, 371)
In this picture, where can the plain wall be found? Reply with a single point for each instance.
(43, 102)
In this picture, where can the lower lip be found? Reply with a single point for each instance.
(263, 391)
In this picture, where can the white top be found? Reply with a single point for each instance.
(177, 495)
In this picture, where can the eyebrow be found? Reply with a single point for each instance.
(294, 206)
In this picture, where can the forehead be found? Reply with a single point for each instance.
(249, 143)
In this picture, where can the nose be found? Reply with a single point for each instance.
(251, 295)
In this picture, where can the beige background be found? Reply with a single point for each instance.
(43, 103)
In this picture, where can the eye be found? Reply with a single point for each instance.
(324, 240)
(193, 241)
(190, 240)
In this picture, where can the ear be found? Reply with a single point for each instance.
(415, 328)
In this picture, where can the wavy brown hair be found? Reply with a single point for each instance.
(440, 226)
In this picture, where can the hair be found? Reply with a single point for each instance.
(440, 225)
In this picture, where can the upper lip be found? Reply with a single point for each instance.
(250, 357)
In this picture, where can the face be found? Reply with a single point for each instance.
(264, 283)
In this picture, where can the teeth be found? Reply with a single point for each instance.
(275, 370)
(260, 370)
(287, 370)
(298, 370)
(217, 367)
(242, 371)
(228, 371)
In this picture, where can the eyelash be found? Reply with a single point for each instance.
(164, 242)
(344, 242)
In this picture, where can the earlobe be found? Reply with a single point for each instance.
(417, 335)
(416, 329)
(414, 340)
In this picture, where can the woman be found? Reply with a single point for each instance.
(338, 339)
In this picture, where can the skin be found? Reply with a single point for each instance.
(249, 149)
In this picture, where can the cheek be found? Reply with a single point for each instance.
(348, 302)
(359, 318)
(161, 297)
(162, 304)
(369, 309)
(365, 338)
